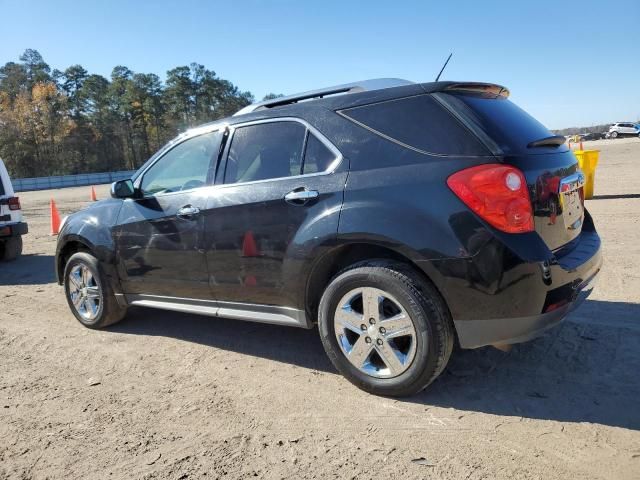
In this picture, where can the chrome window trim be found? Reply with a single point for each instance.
(197, 131)
(319, 135)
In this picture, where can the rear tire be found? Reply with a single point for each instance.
(11, 248)
(421, 348)
(89, 294)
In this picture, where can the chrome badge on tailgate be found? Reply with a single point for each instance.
(571, 196)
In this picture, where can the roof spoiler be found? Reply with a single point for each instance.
(487, 89)
(553, 141)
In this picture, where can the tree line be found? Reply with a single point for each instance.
(55, 122)
(603, 128)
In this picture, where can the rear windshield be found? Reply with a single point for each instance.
(510, 127)
(419, 122)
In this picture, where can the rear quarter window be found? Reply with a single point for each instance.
(418, 122)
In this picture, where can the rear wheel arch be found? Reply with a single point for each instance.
(347, 255)
(364, 354)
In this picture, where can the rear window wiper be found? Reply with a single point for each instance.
(553, 141)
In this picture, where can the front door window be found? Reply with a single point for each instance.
(184, 167)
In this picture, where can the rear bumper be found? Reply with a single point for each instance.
(13, 230)
(498, 297)
(505, 331)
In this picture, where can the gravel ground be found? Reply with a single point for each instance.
(173, 396)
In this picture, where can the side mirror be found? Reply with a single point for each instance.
(122, 189)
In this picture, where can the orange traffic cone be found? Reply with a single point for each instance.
(55, 218)
(93, 195)
(249, 247)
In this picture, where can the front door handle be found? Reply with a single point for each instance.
(300, 196)
(188, 212)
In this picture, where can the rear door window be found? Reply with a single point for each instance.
(418, 122)
(317, 156)
(264, 151)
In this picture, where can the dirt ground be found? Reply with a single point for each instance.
(173, 396)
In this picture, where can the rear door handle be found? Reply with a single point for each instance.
(188, 212)
(300, 196)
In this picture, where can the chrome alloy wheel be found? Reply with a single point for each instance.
(84, 292)
(375, 332)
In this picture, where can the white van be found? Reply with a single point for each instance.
(11, 225)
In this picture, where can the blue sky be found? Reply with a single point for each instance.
(572, 63)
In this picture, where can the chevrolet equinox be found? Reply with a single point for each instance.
(401, 218)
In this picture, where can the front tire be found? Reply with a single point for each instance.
(11, 248)
(89, 294)
(385, 329)
(614, 135)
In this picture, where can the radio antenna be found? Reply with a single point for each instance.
(444, 66)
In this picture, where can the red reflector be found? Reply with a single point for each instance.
(4, 231)
(14, 203)
(498, 194)
(555, 306)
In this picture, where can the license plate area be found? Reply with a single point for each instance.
(571, 197)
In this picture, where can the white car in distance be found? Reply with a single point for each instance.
(11, 225)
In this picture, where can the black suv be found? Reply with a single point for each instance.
(399, 217)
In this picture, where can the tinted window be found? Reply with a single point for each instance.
(317, 156)
(183, 167)
(510, 127)
(420, 122)
(265, 150)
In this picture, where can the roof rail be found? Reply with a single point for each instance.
(355, 87)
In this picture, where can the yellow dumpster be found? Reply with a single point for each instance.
(588, 161)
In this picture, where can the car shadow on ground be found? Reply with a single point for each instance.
(28, 269)
(296, 346)
(585, 370)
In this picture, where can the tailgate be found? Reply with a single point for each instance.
(556, 190)
(6, 192)
(4, 209)
(555, 183)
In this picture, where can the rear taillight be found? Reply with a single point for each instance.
(498, 194)
(14, 203)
